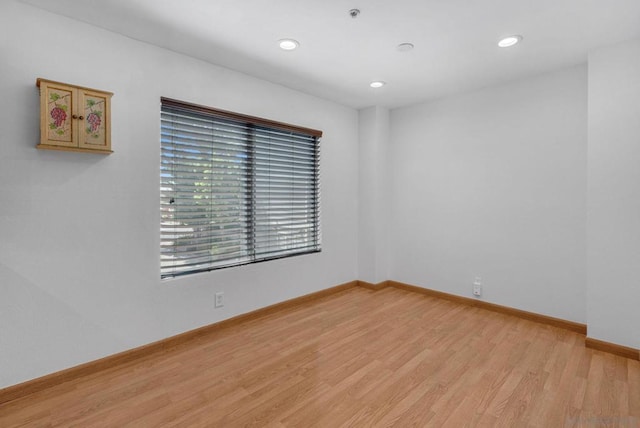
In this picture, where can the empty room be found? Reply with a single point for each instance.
(298, 213)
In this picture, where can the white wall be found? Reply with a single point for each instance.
(493, 183)
(373, 207)
(79, 233)
(614, 195)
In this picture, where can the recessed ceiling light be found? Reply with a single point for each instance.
(288, 44)
(377, 84)
(509, 41)
(405, 47)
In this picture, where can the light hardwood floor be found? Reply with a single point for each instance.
(359, 358)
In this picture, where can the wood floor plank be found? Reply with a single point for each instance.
(356, 358)
(634, 390)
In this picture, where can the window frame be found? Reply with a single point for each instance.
(312, 245)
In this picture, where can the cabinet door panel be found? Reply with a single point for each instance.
(94, 129)
(58, 103)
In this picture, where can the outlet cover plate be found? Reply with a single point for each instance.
(219, 299)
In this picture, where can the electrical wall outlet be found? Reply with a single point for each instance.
(219, 299)
(477, 286)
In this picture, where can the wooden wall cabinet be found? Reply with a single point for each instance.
(74, 118)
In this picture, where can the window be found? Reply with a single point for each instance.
(234, 189)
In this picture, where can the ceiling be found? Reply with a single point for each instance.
(455, 40)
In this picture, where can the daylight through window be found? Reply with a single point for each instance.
(234, 189)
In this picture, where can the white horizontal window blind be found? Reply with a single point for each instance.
(234, 189)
